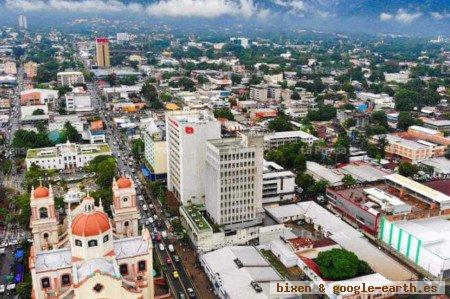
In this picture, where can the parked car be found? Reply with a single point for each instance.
(168, 261)
(161, 246)
(176, 258)
(2, 289)
(171, 248)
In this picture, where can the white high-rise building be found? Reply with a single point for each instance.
(234, 176)
(23, 24)
(186, 135)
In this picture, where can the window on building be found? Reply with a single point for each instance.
(43, 213)
(127, 223)
(123, 269)
(105, 238)
(92, 243)
(98, 288)
(45, 235)
(125, 199)
(45, 282)
(65, 279)
(142, 265)
(78, 243)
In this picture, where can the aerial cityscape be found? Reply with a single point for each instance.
(226, 149)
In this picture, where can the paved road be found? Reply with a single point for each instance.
(126, 164)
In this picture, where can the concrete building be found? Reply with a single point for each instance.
(274, 92)
(442, 125)
(23, 23)
(65, 155)
(233, 181)
(38, 96)
(239, 272)
(84, 258)
(156, 150)
(278, 184)
(9, 68)
(102, 52)
(423, 242)
(258, 93)
(377, 101)
(186, 135)
(70, 78)
(30, 69)
(418, 143)
(57, 122)
(78, 102)
(276, 139)
(120, 92)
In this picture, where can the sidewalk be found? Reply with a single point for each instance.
(194, 270)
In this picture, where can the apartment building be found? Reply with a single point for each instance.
(258, 93)
(276, 139)
(38, 96)
(418, 143)
(186, 134)
(233, 181)
(30, 69)
(70, 78)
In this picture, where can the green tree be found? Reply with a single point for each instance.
(342, 149)
(236, 79)
(38, 112)
(138, 148)
(340, 264)
(348, 180)
(223, 113)
(405, 120)
(70, 133)
(280, 124)
(323, 113)
(105, 169)
(407, 169)
(406, 100)
(304, 181)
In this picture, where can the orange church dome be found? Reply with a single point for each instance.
(124, 182)
(90, 224)
(41, 192)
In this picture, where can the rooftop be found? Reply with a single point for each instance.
(196, 217)
(53, 259)
(419, 188)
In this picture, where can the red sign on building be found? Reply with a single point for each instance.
(189, 130)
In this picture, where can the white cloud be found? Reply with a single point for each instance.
(385, 16)
(402, 16)
(171, 8)
(439, 16)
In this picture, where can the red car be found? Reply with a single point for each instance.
(168, 261)
(158, 238)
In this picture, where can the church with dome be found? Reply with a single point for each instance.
(87, 254)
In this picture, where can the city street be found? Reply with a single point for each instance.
(122, 151)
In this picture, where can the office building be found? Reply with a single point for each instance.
(123, 37)
(102, 50)
(186, 135)
(70, 78)
(65, 155)
(233, 180)
(278, 184)
(156, 150)
(23, 23)
(78, 102)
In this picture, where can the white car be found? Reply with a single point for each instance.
(144, 207)
(161, 246)
(2, 289)
(171, 248)
(150, 220)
